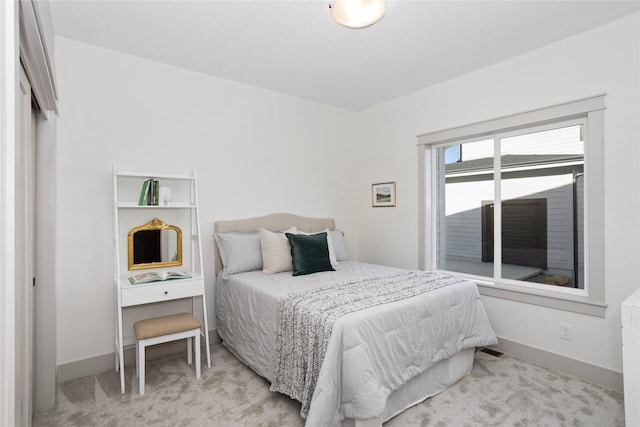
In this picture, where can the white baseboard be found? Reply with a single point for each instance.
(98, 364)
(583, 370)
(586, 371)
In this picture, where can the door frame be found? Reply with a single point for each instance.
(9, 107)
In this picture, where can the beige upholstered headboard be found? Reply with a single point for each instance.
(273, 222)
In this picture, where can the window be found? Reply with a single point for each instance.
(503, 203)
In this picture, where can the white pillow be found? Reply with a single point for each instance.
(339, 245)
(239, 252)
(332, 252)
(276, 251)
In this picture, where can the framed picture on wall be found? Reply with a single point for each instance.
(383, 194)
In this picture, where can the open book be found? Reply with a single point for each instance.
(156, 276)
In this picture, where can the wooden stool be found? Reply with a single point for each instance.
(164, 329)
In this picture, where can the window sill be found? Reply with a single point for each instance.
(556, 300)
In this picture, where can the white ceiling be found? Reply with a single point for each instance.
(295, 48)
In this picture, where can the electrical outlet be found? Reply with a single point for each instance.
(566, 332)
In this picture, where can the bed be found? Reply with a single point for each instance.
(376, 361)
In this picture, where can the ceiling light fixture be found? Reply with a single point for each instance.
(357, 13)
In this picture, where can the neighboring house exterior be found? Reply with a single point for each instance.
(542, 208)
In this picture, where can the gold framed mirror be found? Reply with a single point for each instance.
(154, 244)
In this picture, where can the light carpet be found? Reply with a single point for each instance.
(500, 391)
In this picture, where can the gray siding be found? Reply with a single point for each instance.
(464, 227)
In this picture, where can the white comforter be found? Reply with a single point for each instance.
(371, 352)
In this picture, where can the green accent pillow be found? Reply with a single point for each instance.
(310, 253)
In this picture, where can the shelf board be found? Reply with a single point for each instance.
(172, 205)
(125, 283)
(177, 177)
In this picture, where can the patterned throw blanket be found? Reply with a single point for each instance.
(305, 319)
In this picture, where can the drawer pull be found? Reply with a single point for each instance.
(166, 292)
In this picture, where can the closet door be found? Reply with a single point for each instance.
(25, 255)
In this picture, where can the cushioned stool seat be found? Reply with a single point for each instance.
(164, 329)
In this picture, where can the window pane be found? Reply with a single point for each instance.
(465, 188)
(542, 177)
(452, 154)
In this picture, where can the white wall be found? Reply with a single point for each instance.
(603, 60)
(255, 151)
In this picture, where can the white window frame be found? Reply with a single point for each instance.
(589, 301)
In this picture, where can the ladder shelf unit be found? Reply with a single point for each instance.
(181, 211)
